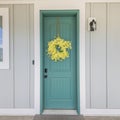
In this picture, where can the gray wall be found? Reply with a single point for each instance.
(17, 83)
(103, 56)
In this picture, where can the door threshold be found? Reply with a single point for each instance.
(60, 112)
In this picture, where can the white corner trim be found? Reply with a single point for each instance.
(16, 112)
(59, 112)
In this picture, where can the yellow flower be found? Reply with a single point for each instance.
(57, 49)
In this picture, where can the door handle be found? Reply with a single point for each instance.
(45, 76)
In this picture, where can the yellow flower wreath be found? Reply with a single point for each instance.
(57, 49)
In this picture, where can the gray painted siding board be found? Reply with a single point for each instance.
(21, 56)
(105, 58)
(97, 58)
(113, 58)
(87, 58)
(17, 83)
(6, 76)
(31, 48)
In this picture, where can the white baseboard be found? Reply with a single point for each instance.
(17, 112)
(101, 112)
(86, 112)
(59, 112)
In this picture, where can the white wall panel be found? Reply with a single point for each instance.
(96, 58)
(88, 60)
(103, 57)
(22, 56)
(6, 76)
(31, 58)
(17, 83)
(113, 55)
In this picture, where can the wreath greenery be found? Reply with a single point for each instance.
(58, 49)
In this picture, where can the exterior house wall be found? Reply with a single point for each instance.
(89, 104)
(16, 83)
(102, 56)
(96, 57)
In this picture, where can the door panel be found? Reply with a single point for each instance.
(60, 84)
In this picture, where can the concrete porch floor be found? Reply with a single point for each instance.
(31, 118)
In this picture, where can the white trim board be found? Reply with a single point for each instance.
(101, 112)
(17, 112)
(59, 112)
(101, 1)
(17, 2)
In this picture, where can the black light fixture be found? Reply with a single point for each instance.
(92, 24)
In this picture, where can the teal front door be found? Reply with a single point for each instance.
(60, 79)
